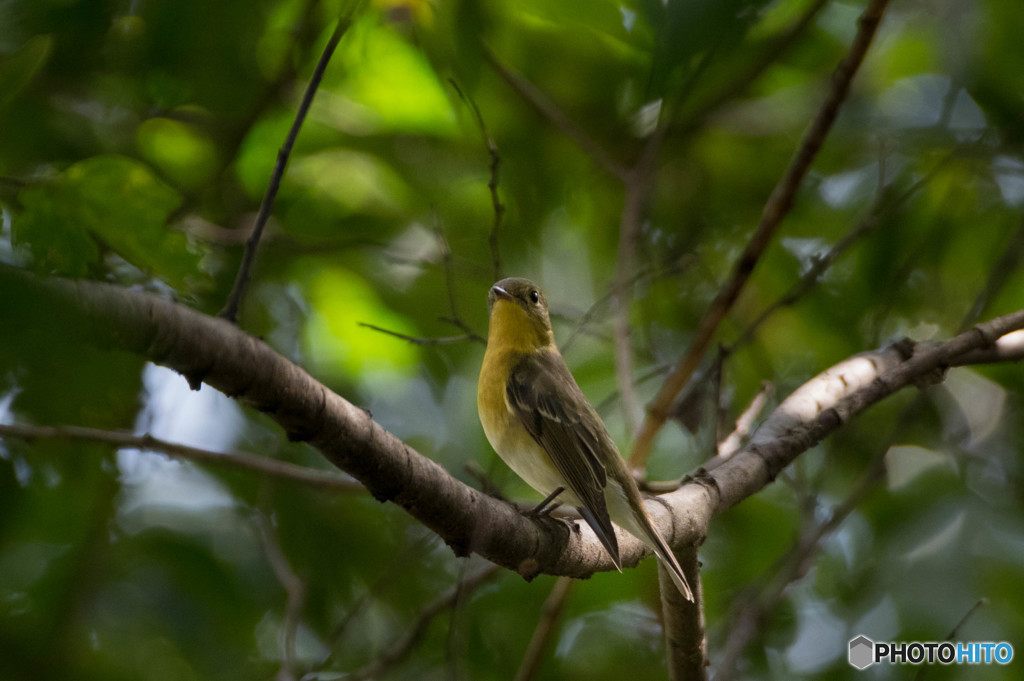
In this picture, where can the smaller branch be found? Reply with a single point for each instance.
(492, 184)
(952, 634)
(644, 273)
(638, 183)
(446, 262)
(449, 282)
(417, 340)
(1002, 270)
(234, 302)
(1009, 348)
(748, 619)
(240, 460)
(629, 234)
(557, 117)
(777, 207)
(550, 614)
(731, 444)
(685, 643)
(295, 589)
(403, 647)
(455, 319)
(385, 580)
(775, 48)
(820, 264)
(963, 620)
(745, 623)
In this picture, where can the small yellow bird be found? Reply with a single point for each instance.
(539, 422)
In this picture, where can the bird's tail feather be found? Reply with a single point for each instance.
(634, 519)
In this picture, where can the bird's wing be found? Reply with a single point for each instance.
(550, 405)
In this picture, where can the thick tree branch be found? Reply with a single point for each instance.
(214, 351)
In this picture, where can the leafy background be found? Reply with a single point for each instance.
(138, 139)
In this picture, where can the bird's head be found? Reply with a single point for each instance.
(519, 315)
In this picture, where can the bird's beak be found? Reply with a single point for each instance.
(500, 293)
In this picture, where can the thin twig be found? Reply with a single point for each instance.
(777, 207)
(398, 651)
(963, 620)
(383, 581)
(644, 273)
(294, 588)
(731, 444)
(449, 283)
(883, 204)
(417, 340)
(550, 613)
(922, 670)
(241, 460)
(1004, 267)
(492, 183)
(234, 302)
(776, 47)
(752, 611)
(446, 262)
(550, 110)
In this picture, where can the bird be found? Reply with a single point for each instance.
(538, 420)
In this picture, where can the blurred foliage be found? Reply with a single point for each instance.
(139, 137)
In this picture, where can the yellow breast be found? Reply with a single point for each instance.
(510, 440)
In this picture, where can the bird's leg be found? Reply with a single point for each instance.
(547, 506)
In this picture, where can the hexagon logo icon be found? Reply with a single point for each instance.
(862, 652)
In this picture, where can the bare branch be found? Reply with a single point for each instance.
(637, 190)
(883, 204)
(234, 302)
(294, 588)
(775, 47)
(417, 340)
(550, 614)
(1009, 348)
(401, 648)
(449, 283)
(750, 612)
(685, 644)
(778, 205)
(642, 274)
(1001, 271)
(384, 580)
(216, 352)
(731, 444)
(492, 183)
(558, 118)
(241, 460)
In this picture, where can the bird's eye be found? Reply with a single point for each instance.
(534, 297)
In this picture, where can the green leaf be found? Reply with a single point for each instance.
(180, 150)
(18, 68)
(107, 200)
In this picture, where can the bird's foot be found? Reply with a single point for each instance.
(545, 507)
